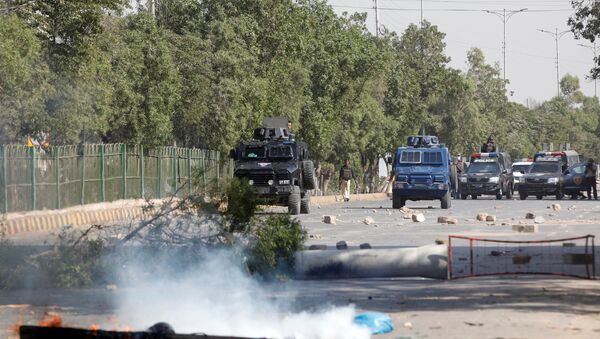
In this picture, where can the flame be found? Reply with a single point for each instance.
(94, 327)
(14, 328)
(51, 320)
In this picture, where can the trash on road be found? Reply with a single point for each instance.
(377, 323)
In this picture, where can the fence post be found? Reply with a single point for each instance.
(124, 170)
(4, 180)
(189, 170)
(83, 174)
(204, 170)
(174, 166)
(57, 174)
(33, 188)
(102, 183)
(141, 155)
(159, 191)
(218, 167)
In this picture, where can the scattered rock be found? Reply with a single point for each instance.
(408, 324)
(529, 216)
(491, 224)
(318, 205)
(317, 247)
(452, 221)
(314, 236)
(551, 214)
(571, 208)
(341, 245)
(526, 228)
(440, 241)
(407, 216)
(365, 246)
(406, 210)
(374, 211)
(504, 224)
(539, 220)
(556, 207)
(490, 218)
(442, 220)
(368, 221)
(329, 219)
(482, 216)
(419, 217)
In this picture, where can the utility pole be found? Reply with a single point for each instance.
(376, 8)
(504, 16)
(150, 4)
(595, 51)
(421, 13)
(556, 36)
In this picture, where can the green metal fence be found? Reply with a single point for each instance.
(63, 176)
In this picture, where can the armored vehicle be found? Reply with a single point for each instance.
(422, 172)
(277, 166)
(488, 174)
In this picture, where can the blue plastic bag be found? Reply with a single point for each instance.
(378, 323)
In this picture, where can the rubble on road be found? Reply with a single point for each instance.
(442, 220)
(482, 216)
(556, 207)
(368, 221)
(419, 217)
(539, 220)
(452, 221)
(490, 218)
(329, 219)
(529, 228)
(529, 216)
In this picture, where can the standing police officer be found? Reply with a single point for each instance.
(590, 178)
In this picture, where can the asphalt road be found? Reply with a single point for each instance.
(492, 307)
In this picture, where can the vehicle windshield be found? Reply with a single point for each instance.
(280, 152)
(414, 157)
(483, 167)
(520, 168)
(544, 167)
(254, 152)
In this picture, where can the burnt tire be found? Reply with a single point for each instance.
(474, 196)
(308, 175)
(522, 196)
(446, 201)
(294, 201)
(464, 196)
(539, 197)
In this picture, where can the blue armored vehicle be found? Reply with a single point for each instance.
(422, 172)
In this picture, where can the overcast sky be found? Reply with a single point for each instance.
(530, 57)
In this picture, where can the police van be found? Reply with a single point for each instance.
(567, 158)
(488, 174)
(422, 172)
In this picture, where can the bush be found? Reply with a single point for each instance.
(277, 239)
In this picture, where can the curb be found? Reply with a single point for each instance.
(57, 219)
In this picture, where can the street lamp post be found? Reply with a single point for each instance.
(595, 51)
(557, 35)
(504, 16)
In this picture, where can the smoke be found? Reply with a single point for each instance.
(216, 297)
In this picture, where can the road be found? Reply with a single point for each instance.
(491, 307)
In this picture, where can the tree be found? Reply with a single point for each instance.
(585, 23)
(23, 81)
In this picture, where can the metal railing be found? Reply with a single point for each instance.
(33, 179)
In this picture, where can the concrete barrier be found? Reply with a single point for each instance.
(430, 261)
(110, 212)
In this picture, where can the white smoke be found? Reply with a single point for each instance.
(218, 298)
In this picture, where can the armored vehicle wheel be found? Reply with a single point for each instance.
(509, 193)
(559, 195)
(499, 194)
(522, 196)
(308, 175)
(294, 201)
(474, 196)
(539, 197)
(464, 196)
(446, 201)
(305, 204)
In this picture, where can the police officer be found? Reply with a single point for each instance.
(489, 145)
(346, 176)
(590, 178)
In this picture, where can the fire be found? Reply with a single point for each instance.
(94, 327)
(51, 320)
(14, 328)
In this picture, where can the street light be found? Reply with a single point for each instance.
(557, 35)
(504, 16)
(595, 51)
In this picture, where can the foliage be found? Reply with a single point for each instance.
(278, 237)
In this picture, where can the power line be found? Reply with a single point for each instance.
(446, 9)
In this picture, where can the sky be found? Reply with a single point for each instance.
(530, 54)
